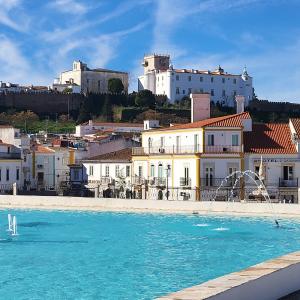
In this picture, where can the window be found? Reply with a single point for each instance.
(212, 92)
(234, 93)
(189, 91)
(107, 171)
(190, 78)
(223, 93)
(8, 149)
(223, 80)
(178, 144)
(160, 170)
(256, 170)
(168, 171)
(209, 176)
(235, 140)
(117, 171)
(127, 171)
(0, 174)
(183, 92)
(91, 170)
(177, 91)
(140, 171)
(196, 142)
(152, 171)
(288, 173)
(211, 79)
(162, 142)
(186, 175)
(201, 79)
(211, 140)
(149, 142)
(234, 81)
(76, 174)
(232, 171)
(17, 174)
(177, 77)
(7, 174)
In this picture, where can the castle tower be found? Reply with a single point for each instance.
(156, 62)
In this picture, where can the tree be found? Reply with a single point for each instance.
(84, 114)
(115, 86)
(145, 98)
(185, 102)
(67, 90)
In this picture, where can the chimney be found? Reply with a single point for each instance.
(200, 107)
(240, 104)
(90, 122)
(151, 124)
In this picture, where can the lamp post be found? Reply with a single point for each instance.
(167, 181)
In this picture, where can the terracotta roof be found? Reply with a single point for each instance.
(296, 124)
(43, 149)
(123, 155)
(207, 72)
(225, 121)
(114, 124)
(269, 139)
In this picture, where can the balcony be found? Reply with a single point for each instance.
(292, 183)
(157, 181)
(188, 149)
(216, 182)
(223, 149)
(10, 155)
(185, 182)
(136, 180)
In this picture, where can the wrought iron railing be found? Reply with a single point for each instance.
(184, 181)
(157, 181)
(188, 149)
(288, 183)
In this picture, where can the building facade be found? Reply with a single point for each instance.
(162, 78)
(89, 80)
(92, 127)
(205, 159)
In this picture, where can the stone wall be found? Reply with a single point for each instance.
(42, 103)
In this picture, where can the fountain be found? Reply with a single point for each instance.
(261, 188)
(14, 226)
(9, 223)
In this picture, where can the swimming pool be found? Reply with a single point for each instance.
(83, 255)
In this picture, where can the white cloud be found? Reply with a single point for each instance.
(59, 34)
(69, 7)
(7, 8)
(14, 65)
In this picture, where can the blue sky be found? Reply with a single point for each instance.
(39, 38)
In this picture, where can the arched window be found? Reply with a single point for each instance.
(160, 170)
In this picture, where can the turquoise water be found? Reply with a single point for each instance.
(79, 255)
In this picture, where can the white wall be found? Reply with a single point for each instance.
(165, 83)
(100, 168)
(186, 139)
(11, 165)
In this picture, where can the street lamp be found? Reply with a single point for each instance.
(167, 182)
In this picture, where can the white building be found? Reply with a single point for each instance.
(190, 161)
(92, 127)
(162, 79)
(108, 170)
(89, 80)
(10, 167)
(50, 167)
